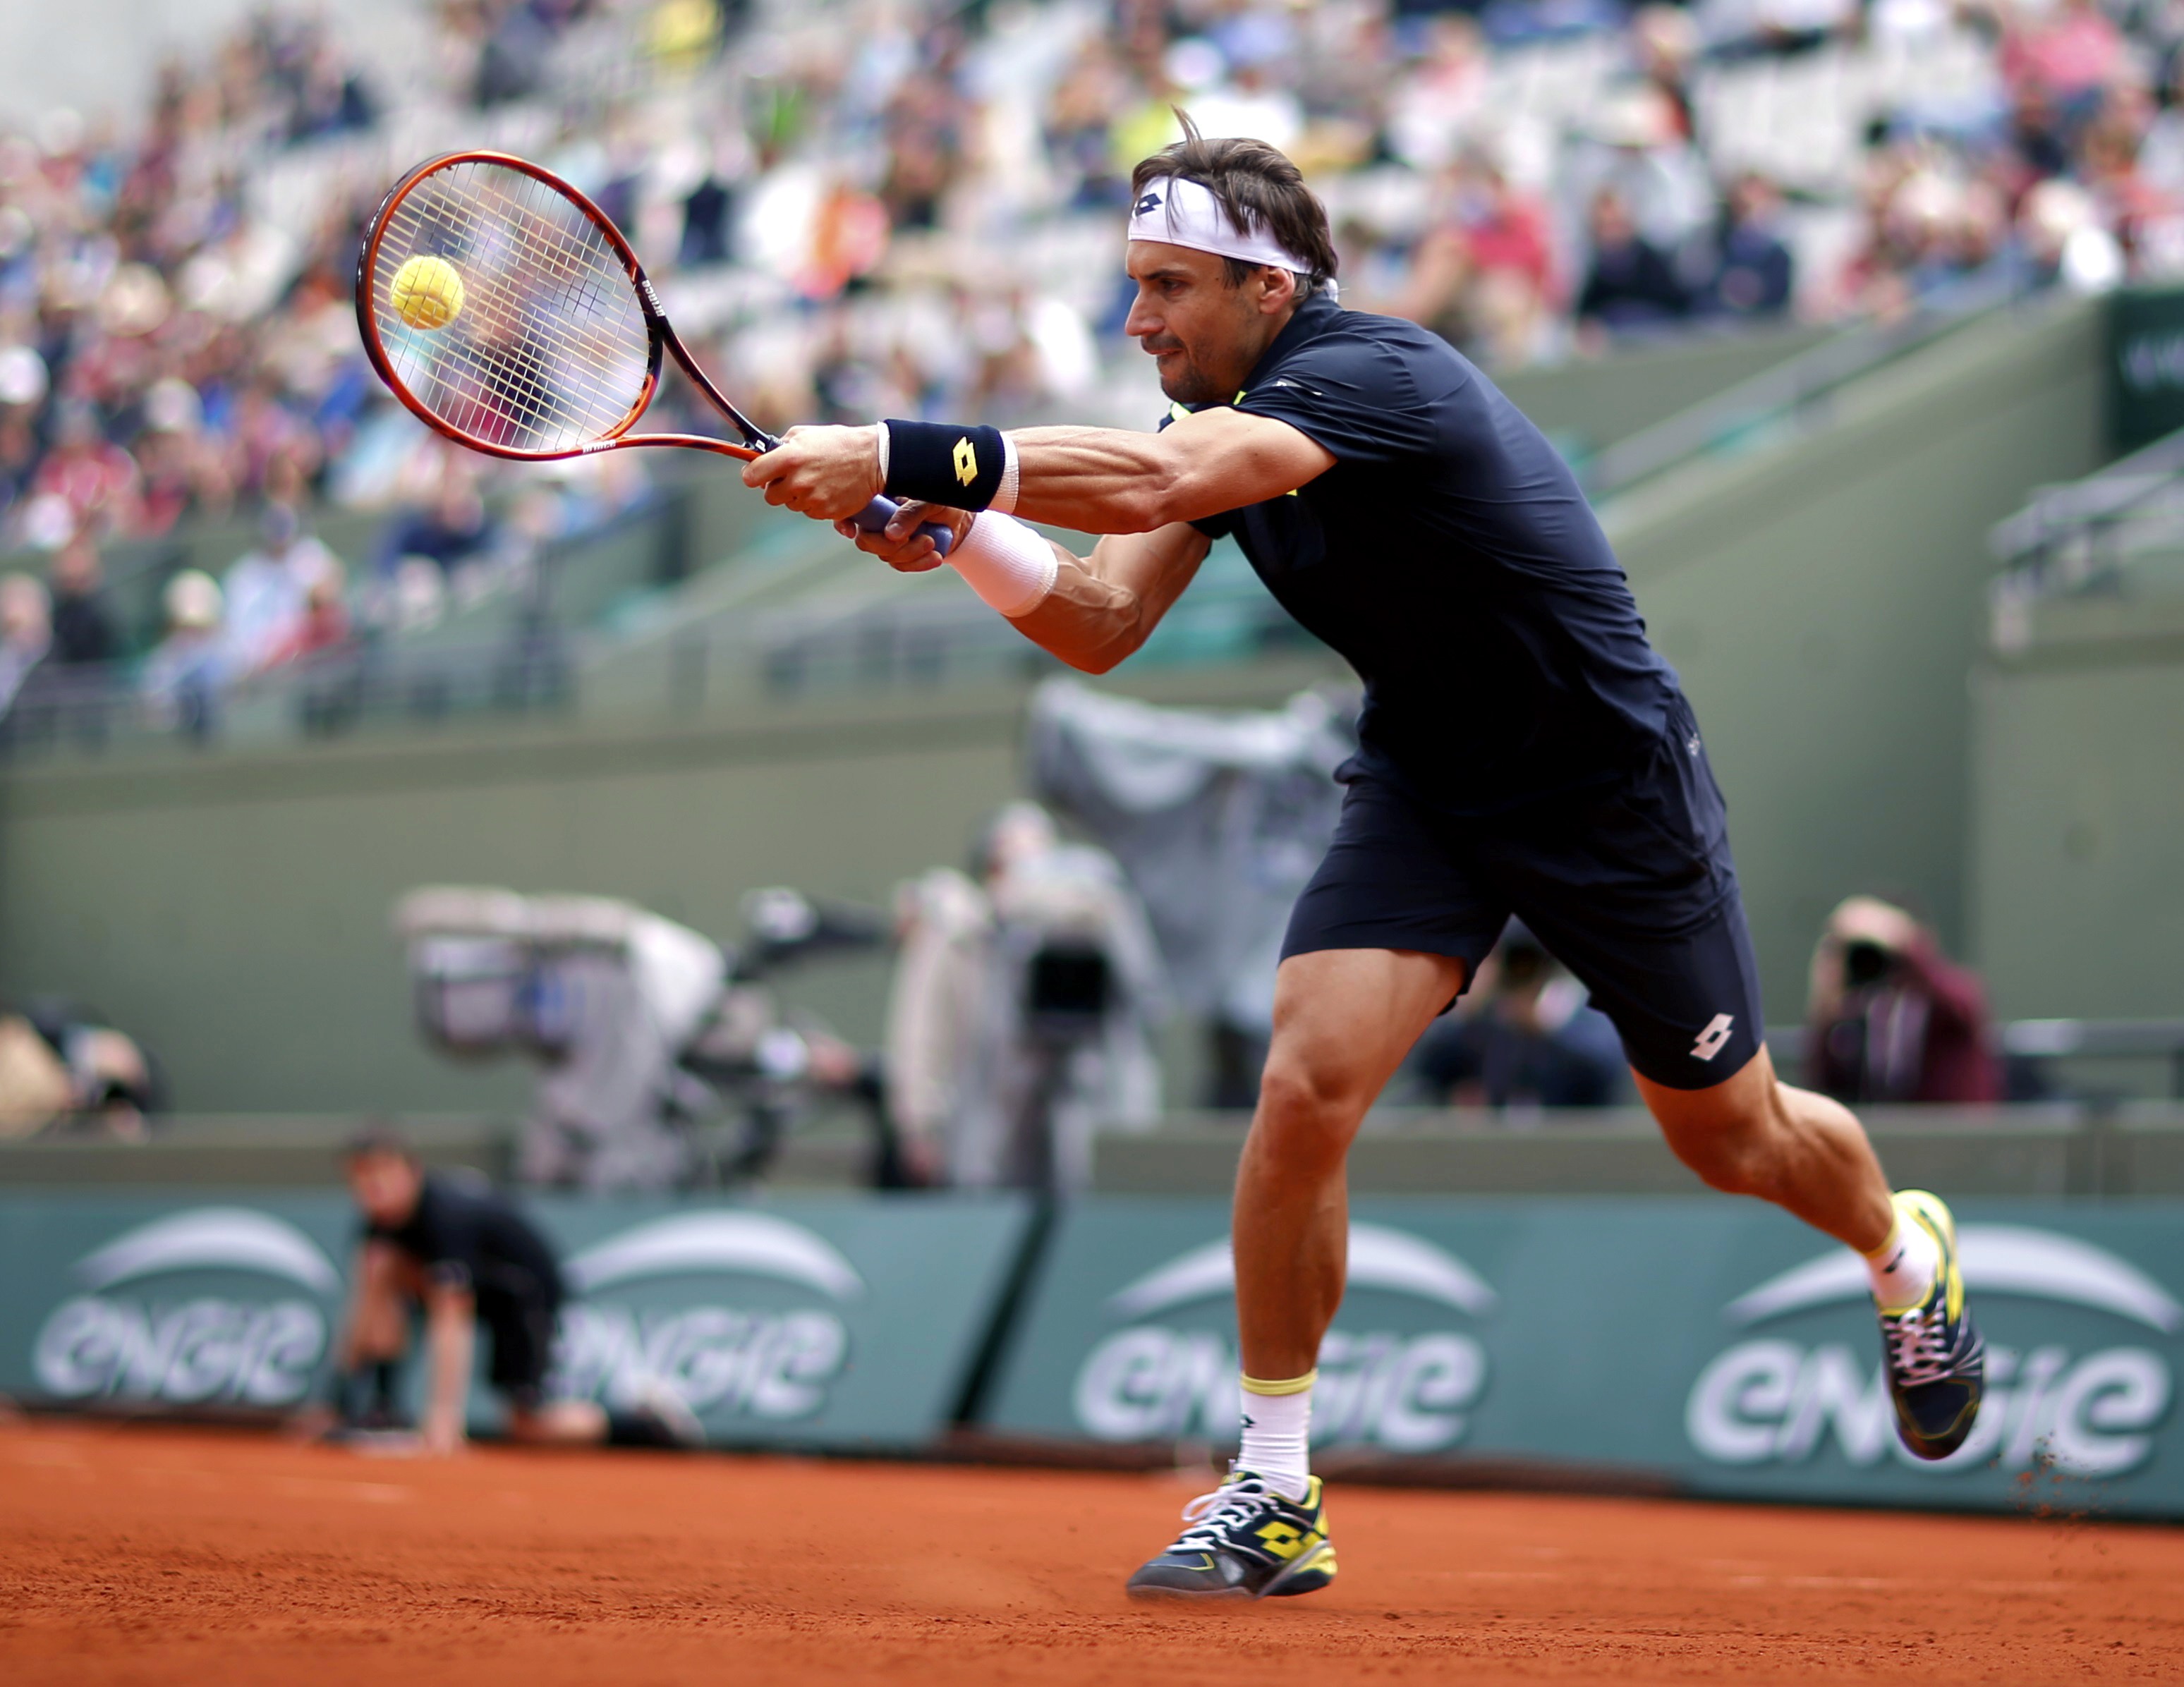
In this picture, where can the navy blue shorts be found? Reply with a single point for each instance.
(1630, 886)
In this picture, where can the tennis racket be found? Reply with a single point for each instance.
(505, 312)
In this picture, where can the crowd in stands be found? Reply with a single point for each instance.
(905, 207)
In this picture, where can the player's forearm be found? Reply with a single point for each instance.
(1088, 621)
(1104, 479)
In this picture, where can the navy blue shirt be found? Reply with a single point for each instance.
(1450, 557)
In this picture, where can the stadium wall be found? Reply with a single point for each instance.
(1655, 1345)
(1825, 603)
(2075, 900)
(232, 911)
(1588, 403)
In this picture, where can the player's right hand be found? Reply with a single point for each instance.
(900, 545)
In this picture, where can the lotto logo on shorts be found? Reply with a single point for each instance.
(1711, 1039)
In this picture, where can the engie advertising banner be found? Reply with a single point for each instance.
(845, 1322)
(1715, 1343)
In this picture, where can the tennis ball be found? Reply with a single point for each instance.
(427, 293)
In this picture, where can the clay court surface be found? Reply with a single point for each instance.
(130, 1554)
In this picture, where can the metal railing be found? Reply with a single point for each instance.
(2037, 1043)
(88, 711)
(2083, 533)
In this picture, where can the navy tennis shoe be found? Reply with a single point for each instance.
(1244, 1540)
(1936, 1361)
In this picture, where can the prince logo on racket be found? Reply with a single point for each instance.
(1522, 750)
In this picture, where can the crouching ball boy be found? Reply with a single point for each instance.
(449, 1244)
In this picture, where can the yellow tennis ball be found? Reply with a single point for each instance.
(427, 293)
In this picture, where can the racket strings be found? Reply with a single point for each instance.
(549, 349)
(509, 378)
(524, 389)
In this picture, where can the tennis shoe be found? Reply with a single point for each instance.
(1935, 1360)
(1246, 1539)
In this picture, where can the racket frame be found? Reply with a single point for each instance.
(664, 339)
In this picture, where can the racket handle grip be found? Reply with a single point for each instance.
(880, 511)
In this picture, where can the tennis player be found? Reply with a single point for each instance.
(1522, 750)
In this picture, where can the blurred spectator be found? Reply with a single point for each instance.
(1664, 42)
(1634, 148)
(1752, 272)
(324, 623)
(1890, 1018)
(2035, 135)
(92, 479)
(177, 340)
(2161, 149)
(182, 676)
(1435, 106)
(1523, 1035)
(1741, 27)
(267, 591)
(708, 223)
(2067, 52)
(450, 528)
(83, 624)
(113, 1083)
(26, 640)
(1630, 286)
(1484, 274)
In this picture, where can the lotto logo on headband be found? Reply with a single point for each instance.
(966, 460)
(1180, 212)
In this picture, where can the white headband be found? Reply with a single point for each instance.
(1186, 214)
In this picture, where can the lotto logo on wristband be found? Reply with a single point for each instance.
(944, 463)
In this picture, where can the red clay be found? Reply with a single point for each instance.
(140, 1555)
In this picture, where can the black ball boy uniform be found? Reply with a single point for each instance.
(462, 1235)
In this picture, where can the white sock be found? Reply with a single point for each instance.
(1903, 1267)
(1278, 1432)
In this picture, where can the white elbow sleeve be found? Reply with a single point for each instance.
(1009, 565)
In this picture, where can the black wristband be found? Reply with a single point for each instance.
(940, 463)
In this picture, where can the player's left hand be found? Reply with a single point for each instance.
(903, 545)
(827, 473)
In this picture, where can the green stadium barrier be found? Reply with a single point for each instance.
(2145, 359)
(1709, 1345)
(843, 1324)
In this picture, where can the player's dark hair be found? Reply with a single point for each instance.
(378, 1137)
(1256, 187)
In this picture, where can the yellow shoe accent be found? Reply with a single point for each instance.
(1931, 1214)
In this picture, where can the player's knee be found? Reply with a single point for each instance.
(1307, 1109)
